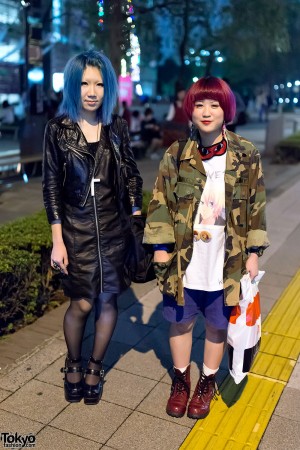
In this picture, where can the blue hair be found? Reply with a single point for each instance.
(71, 103)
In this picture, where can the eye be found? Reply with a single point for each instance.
(198, 105)
(215, 105)
(100, 84)
(83, 83)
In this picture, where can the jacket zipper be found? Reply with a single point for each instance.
(98, 245)
(80, 154)
(65, 173)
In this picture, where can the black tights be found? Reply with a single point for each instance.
(106, 313)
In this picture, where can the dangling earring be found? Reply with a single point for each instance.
(223, 128)
(194, 133)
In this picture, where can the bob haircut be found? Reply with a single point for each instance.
(212, 88)
(71, 103)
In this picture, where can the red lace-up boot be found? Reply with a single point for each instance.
(205, 391)
(180, 393)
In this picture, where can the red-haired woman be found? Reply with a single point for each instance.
(206, 221)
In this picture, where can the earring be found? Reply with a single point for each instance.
(194, 133)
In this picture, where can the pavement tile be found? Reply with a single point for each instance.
(29, 368)
(130, 333)
(294, 381)
(62, 440)
(13, 423)
(127, 299)
(4, 394)
(289, 405)
(153, 299)
(272, 278)
(141, 289)
(95, 422)
(157, 339)
(52, 374)
(271, 291)
(144, 364)
(37, 401)
(115, 351)
(281, 434)
(143, 432)
(142, 314)
(126, 389)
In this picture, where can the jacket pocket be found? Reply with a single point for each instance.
(184, 191)
(239, 208)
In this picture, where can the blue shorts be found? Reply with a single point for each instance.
(210, 304)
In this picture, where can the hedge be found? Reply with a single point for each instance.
(28, 286)
(288, 149)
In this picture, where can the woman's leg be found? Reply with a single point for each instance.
(106, 314)
(74, 325)
(181, 338)
(214, 349)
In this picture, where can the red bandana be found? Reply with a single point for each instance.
(213, 150)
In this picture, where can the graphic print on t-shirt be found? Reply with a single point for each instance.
(211, 209)
(205, 270)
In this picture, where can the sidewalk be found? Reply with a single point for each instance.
(131, 414)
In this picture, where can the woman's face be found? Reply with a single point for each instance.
(92, 89)
(208, 116)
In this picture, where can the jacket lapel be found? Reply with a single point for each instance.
(233, 161)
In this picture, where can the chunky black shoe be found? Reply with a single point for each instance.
(93, 392)
(73, 391)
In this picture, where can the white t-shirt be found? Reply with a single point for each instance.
(205, 270)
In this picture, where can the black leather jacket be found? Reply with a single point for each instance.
(68, 167)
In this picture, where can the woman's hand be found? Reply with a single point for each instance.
(161, 256)
(137, 213)
(252, 265)
(59, 257)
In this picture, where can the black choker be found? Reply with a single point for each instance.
(213, 150)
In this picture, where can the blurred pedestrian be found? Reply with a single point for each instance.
(176, 126)
(206, 221)
(261, 103)
(7, 114)
(151, 134)
(240, 117)
(125, 113)
(137, 144)
(87, 163)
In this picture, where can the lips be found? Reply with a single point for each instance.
(206, 122)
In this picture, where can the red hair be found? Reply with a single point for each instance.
(212, 88)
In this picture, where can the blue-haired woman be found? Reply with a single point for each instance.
(88, 169)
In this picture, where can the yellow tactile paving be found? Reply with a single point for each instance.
(242, 412)
(273, 366)
(275, 344)
(284, 318)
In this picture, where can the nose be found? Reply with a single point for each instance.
(91, 91)
(206, 111)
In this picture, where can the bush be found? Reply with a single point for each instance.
(288, 149)
(27, 285)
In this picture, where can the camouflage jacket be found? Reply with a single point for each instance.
(175, 200)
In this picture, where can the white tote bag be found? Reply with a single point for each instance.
(244, 329)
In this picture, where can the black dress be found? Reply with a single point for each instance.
(96, 235)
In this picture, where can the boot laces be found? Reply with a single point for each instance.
(179, 386)
(205, 384)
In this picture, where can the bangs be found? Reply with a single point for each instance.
(211, 88)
